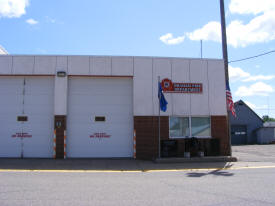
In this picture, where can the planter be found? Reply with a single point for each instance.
(201, 154)
(187, 154)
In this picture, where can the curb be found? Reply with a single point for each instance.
(196, 159)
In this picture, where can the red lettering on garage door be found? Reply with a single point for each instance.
(100, 135)
(21, 135)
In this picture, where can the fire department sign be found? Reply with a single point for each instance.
(170, 87)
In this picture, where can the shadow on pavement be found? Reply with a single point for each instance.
(218, 172)
(107, 165)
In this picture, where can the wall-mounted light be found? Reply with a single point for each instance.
(61, 74)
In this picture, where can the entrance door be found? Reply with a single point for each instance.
(238, 134)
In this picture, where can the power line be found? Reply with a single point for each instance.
(252, 57)
(264, 109)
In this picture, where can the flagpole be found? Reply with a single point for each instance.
(159, 118)
(225, 58)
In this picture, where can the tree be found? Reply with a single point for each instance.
(266, 118)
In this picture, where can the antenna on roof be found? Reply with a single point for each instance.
(201, 48)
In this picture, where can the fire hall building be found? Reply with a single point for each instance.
(107, 106)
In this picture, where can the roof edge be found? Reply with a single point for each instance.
(249, 109)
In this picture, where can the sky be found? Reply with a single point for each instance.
(152, 28)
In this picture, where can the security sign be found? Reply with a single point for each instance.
(169, 87)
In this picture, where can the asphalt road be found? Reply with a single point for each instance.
(251, 181)
(255, 153)
(224, 187)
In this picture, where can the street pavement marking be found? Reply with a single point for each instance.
(135, 171)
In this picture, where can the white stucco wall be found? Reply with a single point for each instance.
(145, 72)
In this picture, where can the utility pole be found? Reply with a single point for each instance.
(225, 59)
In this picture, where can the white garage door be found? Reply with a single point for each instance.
(100, 117)
(30, 97)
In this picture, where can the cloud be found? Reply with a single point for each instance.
(31, 21)
(254, 107)
(170, 40)
(13, 8)
(259, 77)
(257, 89)
(210, 31)
(251, 6)
(50, 20)
(260, 28)
(238, 74)
(3, 50)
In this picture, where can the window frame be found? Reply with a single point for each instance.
(190, 127)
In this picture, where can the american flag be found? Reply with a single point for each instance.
(229, 101)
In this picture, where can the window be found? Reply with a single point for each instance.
(200, 126)
(100, 119)
(180, 127)
(22, 118)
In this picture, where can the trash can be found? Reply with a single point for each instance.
(169, 148)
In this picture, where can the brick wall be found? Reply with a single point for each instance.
(219, 130)
(147, 137)
(60, 126)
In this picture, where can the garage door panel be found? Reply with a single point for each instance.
(11, 99)
(37, 132)
(238, 134)
(109, 131)
(12, 147)
(39, 104)
(10, 144)
(11, 92)
(40, 129)
(7, 118)
(97, 86)
(9, 86)
(102, 100)
(34, 147)
(84, 121)
(39, 98)
(111, 98)
(46, 86)
(114, 109)
(37, 120)
(101, 91)
(39, 110)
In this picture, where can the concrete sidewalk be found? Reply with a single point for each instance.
(248, 156)
(116, 165)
